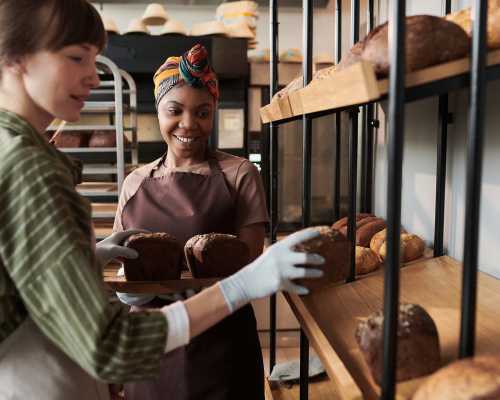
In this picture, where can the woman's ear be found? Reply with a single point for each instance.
(16, 66)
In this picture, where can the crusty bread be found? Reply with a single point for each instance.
(430, 40)
(418, 343)
(215, 255)
(160, 257)
(411, 246)
(342, 222)
(334, 247)
(71, 139)
(475, 378)
(366, 260)
(366, 227)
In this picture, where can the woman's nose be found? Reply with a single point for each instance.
(188, 121)
(93, 80)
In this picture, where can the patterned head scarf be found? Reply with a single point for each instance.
(192, 67)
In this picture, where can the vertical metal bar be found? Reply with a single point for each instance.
(307, 26)
(273, 133)
(473, 182)
(441, 167)
(353, 156)
(338, 141)
(304, 366)
(397, 32)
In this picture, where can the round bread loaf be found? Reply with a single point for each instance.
(334, 247)
(430, 40)
(366, 260)
(342, 222)
(418, 343)
(160, 257)
(102, 139)
(475, 378)
(215, 255)
(411, 246)
(70, 139)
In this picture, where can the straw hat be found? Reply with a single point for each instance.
(291, 55)
(109, 24)
(208, 28)
(137, 26)
(154, 14)
(173, 26)
(240, 30)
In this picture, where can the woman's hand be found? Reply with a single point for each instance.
(272, 271)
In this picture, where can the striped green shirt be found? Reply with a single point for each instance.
(48, 268)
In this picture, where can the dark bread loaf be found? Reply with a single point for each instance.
(334, 247)
(366, 226)
(418, 343)
(430, 40)
(342, 222)
(475, 378)
(160, 257)
(366, 260)
(215, 255)
(71, 139)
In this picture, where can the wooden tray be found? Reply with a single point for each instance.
(120, 284)
(330, 315)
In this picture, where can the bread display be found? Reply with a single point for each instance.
(367, 225)
(334, 247)
(475, 378)
(215, 255)
(102, 139)
(366, 260)
(430, 40)
(418, 343)
(70, 139)
(411, 246)
(464, 20)
(160, 257)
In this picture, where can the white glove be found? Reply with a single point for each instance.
(134, 299)
(110, 248)
(274, 270)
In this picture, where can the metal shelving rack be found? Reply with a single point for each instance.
(460, 280)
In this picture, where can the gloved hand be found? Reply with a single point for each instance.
(111, 247)
(272, 271)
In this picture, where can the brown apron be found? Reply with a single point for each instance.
(225, 362)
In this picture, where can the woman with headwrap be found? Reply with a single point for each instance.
(192, 190)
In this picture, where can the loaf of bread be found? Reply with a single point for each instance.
(464, 20)
(475, 378)
(367, 225)
(418, 343)
(215, 255)
(430, 40)
(366, 260)
(160, 257)
(102, 139)
(411, 246)
(71, 139)
(334, 247)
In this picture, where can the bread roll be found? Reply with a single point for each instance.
(342, 222)
(366, 260)
(475, 378)
(215, 255)
(418, 343)
(430, 40)
(464, 20)
(71, 139)
(160, 257)
(334, 247)
(411, 246)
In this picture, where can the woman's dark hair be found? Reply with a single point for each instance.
(28, 26)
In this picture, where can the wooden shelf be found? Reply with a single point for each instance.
(104, 210)
(358, 85)
(330, 315)
(120, 284)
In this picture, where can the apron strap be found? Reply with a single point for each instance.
(158, 165)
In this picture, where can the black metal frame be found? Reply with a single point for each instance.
(338, 115)
(477, 79)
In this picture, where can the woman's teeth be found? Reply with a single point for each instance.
(185, 139)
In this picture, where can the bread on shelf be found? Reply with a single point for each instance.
(215, 255)
(71, 139)
(334, 247)
(160, 257)
(367, 225)
(366, 260)
(342, 222)
(475, 378)
(411, 246)
(418, 343)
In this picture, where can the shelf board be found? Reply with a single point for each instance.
(357, 85)
(103, 107)
(120, 284)
(434, 283)
(102, 229)
(104, 210)
(89, 128)
(76, 150)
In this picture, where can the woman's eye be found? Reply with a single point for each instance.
(76, 59)
(203, 114)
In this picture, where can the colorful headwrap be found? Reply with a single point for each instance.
(192, 67)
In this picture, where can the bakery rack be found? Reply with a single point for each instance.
(105, 168)
(467, 322)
